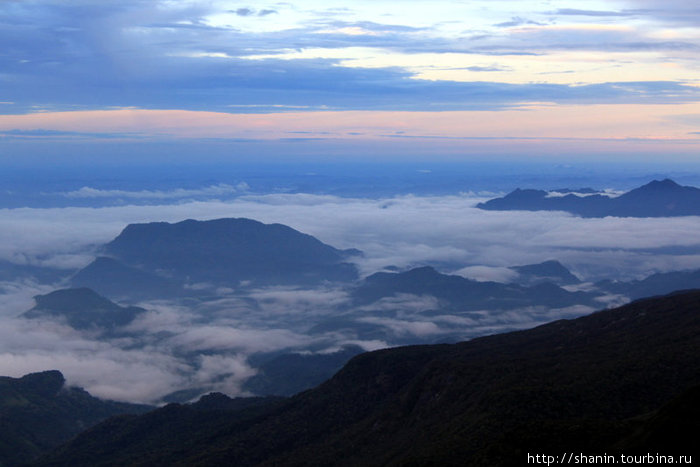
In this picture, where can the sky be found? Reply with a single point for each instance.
(175, 80)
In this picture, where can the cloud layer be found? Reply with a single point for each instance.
(207, 344)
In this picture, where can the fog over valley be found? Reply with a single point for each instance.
(234, 337)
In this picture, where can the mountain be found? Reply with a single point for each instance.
(290, 373)
(549, 271)
(603, 383)
(192, 255)
(82, 308)
(458, 293)
(38, 412)
(663, 198)
(656, 284)
(112, 278)
(41, 274)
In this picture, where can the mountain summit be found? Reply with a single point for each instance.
(659, 198)
(82, 308)
(39, 411)
(215, 253)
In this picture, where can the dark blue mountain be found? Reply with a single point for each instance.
(159, 259)
(458, 293)
(41, 274)
(38, 412)
(112, 278)
(663, 198)
(82, 308)
(656, 284)
(287, 374)
(551, 271)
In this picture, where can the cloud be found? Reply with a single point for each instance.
(58, 135)
(595, 13)
(103, 369)
(279, 301)
(488, 274)
(207, 344)
(220, 189)
(404, 327)
(218, 338)
(405, 303)
(180, 56)
(244, 12)
(450, 230)
(252, 12)
(516, 21)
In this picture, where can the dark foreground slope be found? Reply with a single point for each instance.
(38, 412)
(594, 384)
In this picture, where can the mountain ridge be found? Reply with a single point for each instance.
(38, 412)
(159, 259)
(658, 198)
(82, 308)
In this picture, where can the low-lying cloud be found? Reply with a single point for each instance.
(221, 189)
(207, 344)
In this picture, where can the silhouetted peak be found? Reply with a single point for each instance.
(82, 308)
(229, 252)
(550, 267)
(213, 400)
(46, 383)
(71, 300)
(423, 271)
(659, 198)
(659, 185)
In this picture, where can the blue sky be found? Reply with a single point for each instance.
(453, 78)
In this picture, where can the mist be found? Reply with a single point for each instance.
(207, 344)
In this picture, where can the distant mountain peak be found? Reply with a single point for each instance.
(664, 184)
(423, 271)
(68, 300)
(82, 308)
(548, 271)
(658, 198)
(47, 383)
(229, 251)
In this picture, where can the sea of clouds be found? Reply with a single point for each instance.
(177, 345)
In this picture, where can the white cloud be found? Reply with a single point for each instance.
(406, 327)
(402, 231)
(488, 274)
(221, 189)
(406, 303)
(164, 348)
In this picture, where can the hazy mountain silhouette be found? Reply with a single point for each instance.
(112, 278)
(38, 412)
(584, 385)
(663, 198)
(551, 271)
(458, 293)
(41, 274)
(82, 308)
(158, 259)
(290, 373)
(656, 284)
